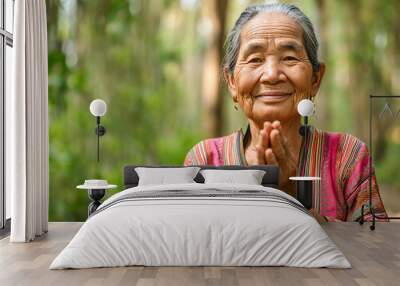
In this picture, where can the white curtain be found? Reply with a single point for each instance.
(27, 124)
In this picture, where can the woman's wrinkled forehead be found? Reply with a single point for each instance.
(271, 25)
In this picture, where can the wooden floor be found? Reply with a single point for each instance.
(375, 256)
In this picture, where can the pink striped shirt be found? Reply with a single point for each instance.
(341, 160)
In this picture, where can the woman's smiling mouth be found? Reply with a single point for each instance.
(273, 96)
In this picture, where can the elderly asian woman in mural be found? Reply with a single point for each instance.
(271, 64)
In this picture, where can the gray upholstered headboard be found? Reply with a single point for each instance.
(271, 177)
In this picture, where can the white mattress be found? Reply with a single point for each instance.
(183, 231)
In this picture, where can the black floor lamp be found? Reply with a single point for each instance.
(98, 108)
(304, 183)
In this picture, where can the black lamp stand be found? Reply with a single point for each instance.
(100, 131)
(304, 187)
(95, 195)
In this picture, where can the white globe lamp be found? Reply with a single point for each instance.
(98, 108)
(306, 107)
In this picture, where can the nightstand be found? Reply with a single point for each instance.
(305, 190)
(96, 191)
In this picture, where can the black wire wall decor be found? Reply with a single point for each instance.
(387, 110)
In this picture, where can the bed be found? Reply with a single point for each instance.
(201, 223)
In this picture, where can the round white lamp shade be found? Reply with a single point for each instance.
(305, 107)
(98, 107)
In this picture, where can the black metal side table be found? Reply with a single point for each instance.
(96, 191)
(305, 190)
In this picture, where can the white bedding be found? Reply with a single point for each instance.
(189, 230)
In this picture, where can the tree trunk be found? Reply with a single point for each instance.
(212, 96)
(359, 70)
(395, 71)
(322, 101)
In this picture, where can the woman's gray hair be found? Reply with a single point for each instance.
(232, 44)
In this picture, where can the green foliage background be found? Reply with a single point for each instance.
(144, 59)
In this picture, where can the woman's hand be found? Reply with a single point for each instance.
(272, 149)
(279, 154)
(255, 154)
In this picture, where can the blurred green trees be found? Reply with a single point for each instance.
(146, 60)
(125, 53)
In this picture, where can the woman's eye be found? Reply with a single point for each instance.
(289, 58)
(255, 60)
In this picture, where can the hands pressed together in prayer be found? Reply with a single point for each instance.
(272, 148)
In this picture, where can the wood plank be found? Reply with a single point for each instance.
(374, 255)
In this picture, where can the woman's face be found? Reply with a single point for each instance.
(272, 72)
